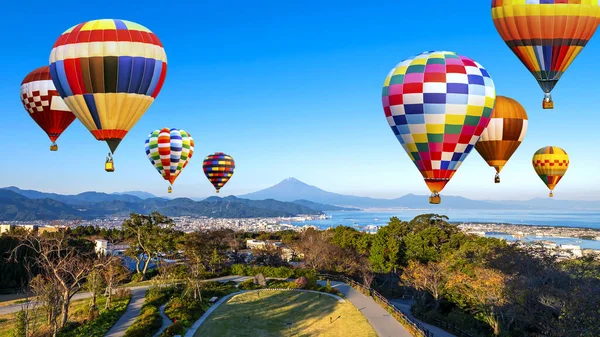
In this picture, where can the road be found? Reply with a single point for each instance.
(384, 324)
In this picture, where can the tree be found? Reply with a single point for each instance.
(387, 247)
(151, 235)
(48, 294)
(94, 284)
(215, 261)
(113, 273)
(65, 263)
(484, 293)
(431, 278)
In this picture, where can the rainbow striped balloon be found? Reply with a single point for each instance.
(218, 168)
(169, 151)
(108, 72)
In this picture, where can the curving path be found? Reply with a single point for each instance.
(138, 297)
(384, 324)
(166, 322)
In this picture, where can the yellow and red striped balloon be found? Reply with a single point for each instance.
(550, 163)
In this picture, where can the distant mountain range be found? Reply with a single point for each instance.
(27, 205)
(293, 189)
(288, 198)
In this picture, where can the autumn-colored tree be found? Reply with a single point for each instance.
(483, 293)
(431, 278)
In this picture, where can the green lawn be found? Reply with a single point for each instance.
(267, 314)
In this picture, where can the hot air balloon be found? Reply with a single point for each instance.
(108, 72)
(504, 133)
(546, 35)
(44, 104)
(218, 168)
(438, 103)
(169, 152)
(550, 163)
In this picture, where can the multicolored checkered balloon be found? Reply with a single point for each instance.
(438, 103)
(218, 168)
(169, 152)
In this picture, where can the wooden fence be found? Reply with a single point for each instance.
(414, 327)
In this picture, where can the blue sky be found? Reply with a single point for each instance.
(292, 89)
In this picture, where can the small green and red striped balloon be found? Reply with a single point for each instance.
(218, 168)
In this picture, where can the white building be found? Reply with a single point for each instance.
(255, 244)
(106, 248)
(573, 249)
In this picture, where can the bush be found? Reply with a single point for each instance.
(280, 284)
(279, 272)
(248, 285)
(99, 326)
(149, 321)
(175, 329)
(213, 288)
(301, 282)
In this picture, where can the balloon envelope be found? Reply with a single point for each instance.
(438, 104)
(504, 133)
(169, 151)
(218, 168)
(108, 72)
(43, 103)
(546, 35)
(550, 163)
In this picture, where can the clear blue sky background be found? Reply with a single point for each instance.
(291, 89)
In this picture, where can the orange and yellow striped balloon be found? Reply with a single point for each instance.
(546, 35)
(550, 163)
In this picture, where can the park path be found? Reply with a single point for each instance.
(382, 322)
(405, 305)
(166, 321)
(138, 297)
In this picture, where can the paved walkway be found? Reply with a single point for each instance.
(194, 328)
(384, 324)
(138, 297)
(166, 321)
(405, 305)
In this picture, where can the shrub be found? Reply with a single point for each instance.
(149, 320)
(175, 329)
(301, 282)
(99, 326)
(279, 272)
(248, 285)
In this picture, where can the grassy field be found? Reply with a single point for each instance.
(268, 313)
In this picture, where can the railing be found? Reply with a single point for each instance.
(447, 326)
(413, 326)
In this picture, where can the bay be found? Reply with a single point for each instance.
(362, 219)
